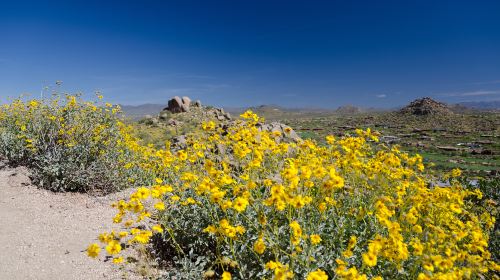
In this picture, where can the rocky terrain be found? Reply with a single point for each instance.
(182, 116)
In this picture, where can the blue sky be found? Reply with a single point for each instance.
(246, 53)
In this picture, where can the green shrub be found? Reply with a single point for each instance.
(70, 145)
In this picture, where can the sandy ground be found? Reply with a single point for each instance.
(44, 235)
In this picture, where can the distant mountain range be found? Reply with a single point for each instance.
(139, 111)
(482, 105)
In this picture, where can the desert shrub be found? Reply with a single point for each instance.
(70, 145)
(238, 203)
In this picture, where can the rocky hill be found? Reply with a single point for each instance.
(426, 106)
(182, 116)
(180, 111)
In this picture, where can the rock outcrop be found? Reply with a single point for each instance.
(426, 106)
(183, 111)
(178, 105)
(186, 102)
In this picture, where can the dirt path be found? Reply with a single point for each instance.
(44, 235)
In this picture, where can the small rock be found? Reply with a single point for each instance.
(178, 143)
(173, 122)
(164, 115)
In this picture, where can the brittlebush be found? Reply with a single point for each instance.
(252, 206)
(69, 144)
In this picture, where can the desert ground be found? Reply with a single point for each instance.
(44, 234)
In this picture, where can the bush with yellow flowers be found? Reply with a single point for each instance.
(69, 144)
(239, 203)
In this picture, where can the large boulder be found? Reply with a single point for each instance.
(178, 105)
(186, 101)
(175, 105)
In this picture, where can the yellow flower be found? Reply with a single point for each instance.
(143, 236)
(369, 259)
(315, 239)
(455, 208)
(226, 204)
(347, 253)
(295, 226)
(417, 228)
(160, 206)
(240, 204)
(272, 265)
(259, 247)
(93, 250)
(118, 260)
(208, 125)
(226, 276)
(105, 238)
(210, 229)
(317, 275)
(142, 193)
(118, 218)
(422, 276)
(113, 247)
(182, 155)
(428, 266)
(240, 229)
(330, 139)
(157, 228)
(249, 115)
(456, 172)
(352, 242)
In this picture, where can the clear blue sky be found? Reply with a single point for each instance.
(241, 53)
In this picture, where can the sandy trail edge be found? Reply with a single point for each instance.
(43, 235)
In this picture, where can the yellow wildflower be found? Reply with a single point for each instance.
(113, 247)
(93, 250)
(317, 275)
